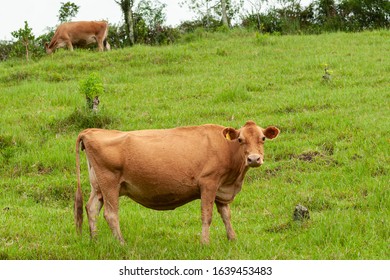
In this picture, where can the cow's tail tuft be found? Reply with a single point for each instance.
(78, 203)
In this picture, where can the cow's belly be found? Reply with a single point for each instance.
(160, 196)
(84, 41)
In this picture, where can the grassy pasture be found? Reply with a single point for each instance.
(332, 154)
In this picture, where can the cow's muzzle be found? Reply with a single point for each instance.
(254, 160)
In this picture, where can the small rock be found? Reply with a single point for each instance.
(301, 213)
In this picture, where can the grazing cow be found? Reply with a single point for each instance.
(81, 33)
(164, 169)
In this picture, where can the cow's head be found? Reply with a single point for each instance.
(251, 139)
(47, 49)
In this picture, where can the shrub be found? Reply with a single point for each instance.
(92, 88)
(5, 50)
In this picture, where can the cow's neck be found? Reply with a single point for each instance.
(239, 167)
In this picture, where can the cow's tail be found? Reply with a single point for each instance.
(106, 45)
(78, 203)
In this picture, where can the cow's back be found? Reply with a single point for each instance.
(187, 148)
(84, 32)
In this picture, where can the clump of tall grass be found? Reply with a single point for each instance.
(82, 118)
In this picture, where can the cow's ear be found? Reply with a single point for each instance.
(230, 133)
(271, 132)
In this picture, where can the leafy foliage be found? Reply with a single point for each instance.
(321, 16)
(5, 50)
(92, 87)
(222, 10)
(67, 11)
(152, 12)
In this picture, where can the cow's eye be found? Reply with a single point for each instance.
(263, 138)
(239, 140)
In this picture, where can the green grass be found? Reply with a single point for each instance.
(332, 154)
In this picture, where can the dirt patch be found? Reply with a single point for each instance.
(317, 157)
(309, 156)
(273, 172)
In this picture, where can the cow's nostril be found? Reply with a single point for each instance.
(254, 160)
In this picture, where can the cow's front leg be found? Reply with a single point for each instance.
(100, 44)
(69, 45)
(207, 203)
(207, 214)
(224, 211)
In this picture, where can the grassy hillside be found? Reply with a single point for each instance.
(332, 154)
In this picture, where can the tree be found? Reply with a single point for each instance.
(148, 22)
(25, 36)
(67, 11)
(327, 15)
(127, 10)
(225, 21)
(143, 21)
(152, 13)
(256, 8)
(199, 7)
(226, 9)
(365, 14)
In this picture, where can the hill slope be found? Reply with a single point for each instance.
(332, 154)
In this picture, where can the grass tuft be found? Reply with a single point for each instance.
(81, 119)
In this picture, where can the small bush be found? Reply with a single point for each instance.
(92, 88)
(5, 50)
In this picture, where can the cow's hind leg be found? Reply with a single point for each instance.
(95, 202)
(110, 191)
(111, 215)
(69, 45)
(93, 208)
(224, 211)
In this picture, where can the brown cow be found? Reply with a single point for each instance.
(80, 33)
(164, 169)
